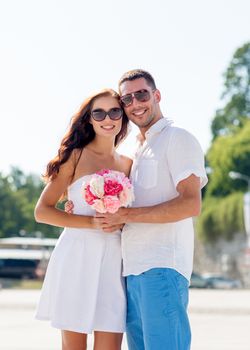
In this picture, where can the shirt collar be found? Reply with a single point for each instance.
(156, 128)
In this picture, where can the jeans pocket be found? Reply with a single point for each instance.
(183, 288)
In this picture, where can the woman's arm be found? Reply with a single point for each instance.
(46, 211)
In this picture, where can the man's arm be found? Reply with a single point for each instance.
(69, 208)
(186, 204)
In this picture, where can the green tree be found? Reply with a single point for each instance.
(221, 217)
(236, 95)
(18, 196)
(222, 214)
(10, 218)
(229, 153)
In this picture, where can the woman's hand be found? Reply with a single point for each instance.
(69, 207)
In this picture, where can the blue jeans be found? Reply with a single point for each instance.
(157, 311)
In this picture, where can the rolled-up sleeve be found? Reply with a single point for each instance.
(185, 157)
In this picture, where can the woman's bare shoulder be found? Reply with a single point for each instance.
(67, 169)
(75, 154)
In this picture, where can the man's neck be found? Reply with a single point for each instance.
(143, 130)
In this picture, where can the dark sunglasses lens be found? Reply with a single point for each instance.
(127, 100)
(115, 113)
(142, 95)
(98, 115)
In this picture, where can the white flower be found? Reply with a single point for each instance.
(97, 186)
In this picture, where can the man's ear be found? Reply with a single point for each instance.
(157, 95)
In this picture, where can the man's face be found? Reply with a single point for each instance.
(142, 113)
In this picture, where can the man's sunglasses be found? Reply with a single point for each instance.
(141, 96)
(99, 114)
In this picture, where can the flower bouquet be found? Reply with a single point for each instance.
(108, 190)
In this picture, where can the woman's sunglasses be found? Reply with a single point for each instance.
(141, 96)
(99, 114)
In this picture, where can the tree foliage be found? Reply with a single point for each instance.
(229, 153)
(18, 196)
(221, 217)
(222, 214)
(236, 95)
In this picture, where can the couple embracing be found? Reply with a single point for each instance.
(128, 271)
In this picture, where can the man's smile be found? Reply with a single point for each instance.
(139, 112)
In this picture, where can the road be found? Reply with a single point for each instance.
(220, 320)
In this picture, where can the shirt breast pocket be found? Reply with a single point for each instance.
(147, 173)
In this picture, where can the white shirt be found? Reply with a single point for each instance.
(167, 156)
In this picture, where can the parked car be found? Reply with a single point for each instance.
(222, 282)
(18, 268)
(25, 257)
(197, 281)
(21, 263)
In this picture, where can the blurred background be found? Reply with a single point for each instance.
(55, 53)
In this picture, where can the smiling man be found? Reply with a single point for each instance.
(157, 240)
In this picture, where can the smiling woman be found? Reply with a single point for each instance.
(83, 291)
(82, 132)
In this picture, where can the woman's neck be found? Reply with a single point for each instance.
(102, 146)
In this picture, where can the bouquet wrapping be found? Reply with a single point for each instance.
(108, 190)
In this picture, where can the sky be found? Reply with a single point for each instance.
(54, 54)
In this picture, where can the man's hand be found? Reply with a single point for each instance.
(113, 228)
(107, 219)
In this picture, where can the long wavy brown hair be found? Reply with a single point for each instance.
(81, 133)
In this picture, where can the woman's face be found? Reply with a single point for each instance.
(111, 125)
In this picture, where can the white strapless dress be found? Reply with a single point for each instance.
(83, 289)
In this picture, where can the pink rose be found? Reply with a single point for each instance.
(103, 171)
(125, 197)
(111, 203)
(126, 182)
(89, 197)
(108, 190)
(112, 187)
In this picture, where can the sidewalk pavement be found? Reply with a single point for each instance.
(217, 301)
(219, 320)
